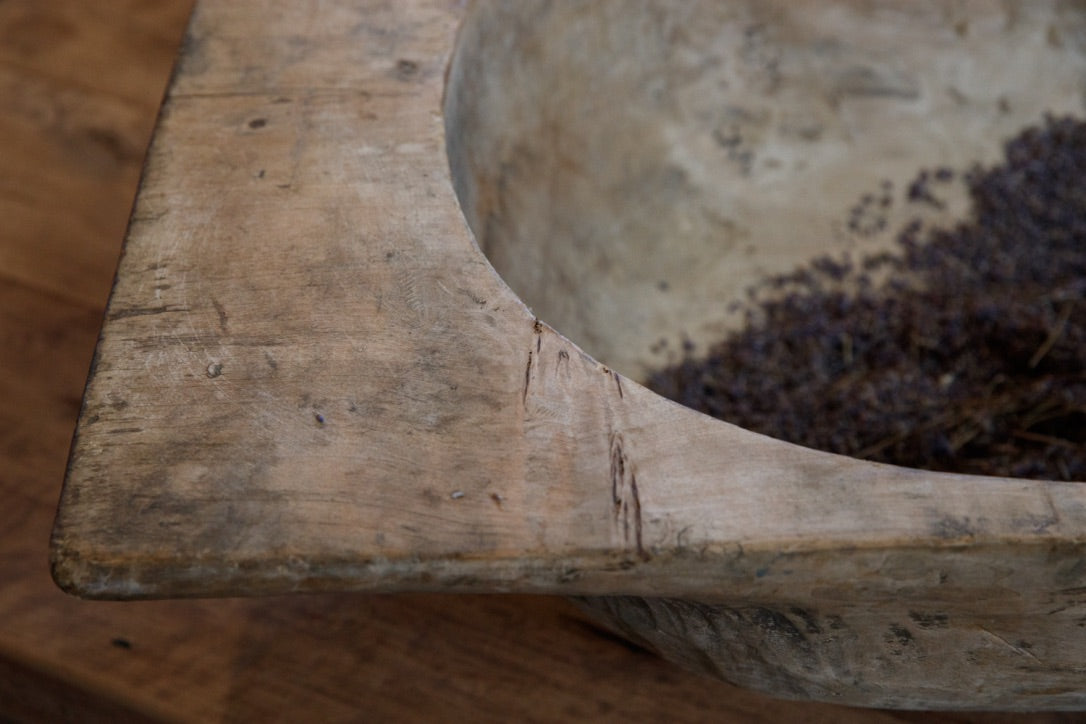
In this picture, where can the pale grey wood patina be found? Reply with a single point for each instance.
(311, 378)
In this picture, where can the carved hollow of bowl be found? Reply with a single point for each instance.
(630, 169)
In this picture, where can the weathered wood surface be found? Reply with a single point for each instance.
(310, 379)
(366, 658)
(82, 80)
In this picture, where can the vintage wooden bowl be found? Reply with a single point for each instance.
(311, 378)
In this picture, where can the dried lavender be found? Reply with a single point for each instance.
(968, 353)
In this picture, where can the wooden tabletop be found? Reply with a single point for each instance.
(82, 113)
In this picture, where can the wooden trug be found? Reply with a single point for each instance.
(311, 378)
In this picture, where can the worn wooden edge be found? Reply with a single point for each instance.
(767, 570)
(696, 555)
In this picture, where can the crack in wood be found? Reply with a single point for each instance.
(527, 377)
(537, 328)
(143, 312)
(626, 498)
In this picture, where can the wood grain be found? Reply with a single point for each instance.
(323, 657)
(365, 658)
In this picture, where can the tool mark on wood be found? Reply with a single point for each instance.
(412, 296)
(930, 620)
(625, 498)
(1017, 649)
(143, 312)
(563, 356)
(221, 311)
(899, 635)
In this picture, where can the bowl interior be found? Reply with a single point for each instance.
(631, 169)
